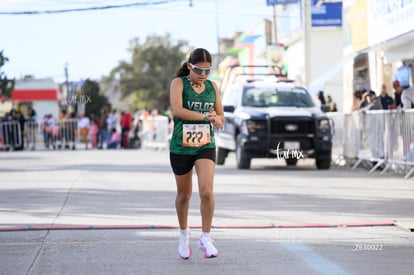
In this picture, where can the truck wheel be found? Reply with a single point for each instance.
(243, 162)
(291, 162)
(324, 162)
(221, 155)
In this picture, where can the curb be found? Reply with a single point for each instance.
(166, 226)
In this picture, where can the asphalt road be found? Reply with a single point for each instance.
(112, 212)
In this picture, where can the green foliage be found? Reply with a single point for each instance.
(6, 85)
(92, 97)
(146, 78)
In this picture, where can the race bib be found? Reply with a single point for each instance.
(196, 135)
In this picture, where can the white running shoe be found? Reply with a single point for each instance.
(184, 249)
(206, 245)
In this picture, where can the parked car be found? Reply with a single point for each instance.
(271, 117)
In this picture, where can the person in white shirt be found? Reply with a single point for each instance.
(402, 74)
(84, 124)
(112, 120)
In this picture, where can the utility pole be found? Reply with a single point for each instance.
(274, 29)
(68, 93)
(307, 28)
(218, 34)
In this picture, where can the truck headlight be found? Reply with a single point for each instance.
(252, 126)
(324, 127)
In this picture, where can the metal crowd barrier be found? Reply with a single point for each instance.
(338, 138)
(155, 132)
(11, 137)
(33, 135)
(64, 134)
(60, 134)
(378, 139)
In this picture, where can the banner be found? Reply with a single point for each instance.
(280, 2)
(326, 14)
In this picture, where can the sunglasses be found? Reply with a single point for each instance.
(199, 70)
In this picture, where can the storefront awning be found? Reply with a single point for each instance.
(33, 95)
(399, 53)
(318, 83)
(35, 90)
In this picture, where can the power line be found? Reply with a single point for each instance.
(107, 7)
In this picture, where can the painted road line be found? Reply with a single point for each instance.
(313, 259)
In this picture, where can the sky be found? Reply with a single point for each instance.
(91, 43)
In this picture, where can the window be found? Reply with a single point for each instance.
(275, 97)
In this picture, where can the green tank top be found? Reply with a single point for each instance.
(201, 103)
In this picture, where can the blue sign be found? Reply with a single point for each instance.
(280, 2)
(326, 14)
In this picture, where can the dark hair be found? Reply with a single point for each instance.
(358, 94)
(321, 97)
(197, 55)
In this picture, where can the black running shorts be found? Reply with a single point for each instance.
(182, 164)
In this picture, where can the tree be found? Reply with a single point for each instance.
(94, 101)
(146, 78)
(6, 85)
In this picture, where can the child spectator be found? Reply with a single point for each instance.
(114, 140)
(94, 134)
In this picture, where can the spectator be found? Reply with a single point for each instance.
(18, 130)
(63, 135)
(373, 102)
(114, 140)
(403, 75)
(71, 125)
(405, 95)
(386, 101)
(134, 140)
(357, 98)
(374, 126)
(84, 125)
(103, 127)
(407, 98)
(112, 120)
(47, 129)
(331, 104)
(364, 99)
(31, 129)
(7, 131)
(125, 122)
(397, 93)
(324, 106)
(94, 134)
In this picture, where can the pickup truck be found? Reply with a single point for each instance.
(272, 118)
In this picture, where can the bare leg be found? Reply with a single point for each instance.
(182, 199)
(205, 175)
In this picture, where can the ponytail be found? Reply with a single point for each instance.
(183, 70)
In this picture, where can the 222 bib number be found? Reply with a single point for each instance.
(196, 135)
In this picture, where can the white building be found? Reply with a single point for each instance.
(380, 33)
(41, 94)
(312, 32)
